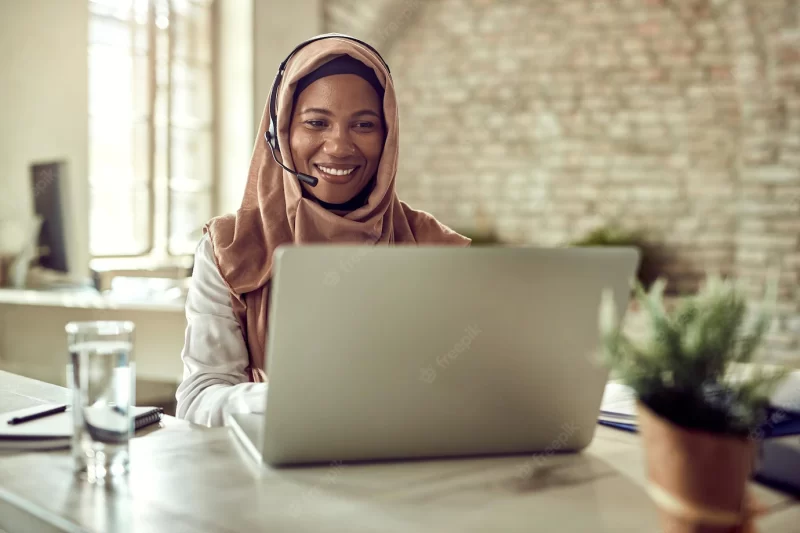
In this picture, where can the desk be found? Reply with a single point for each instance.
(33, 342)
(187, 478)
(86, 299)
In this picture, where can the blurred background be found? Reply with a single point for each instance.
(671, 125)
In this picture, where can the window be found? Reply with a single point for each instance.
(151, 148)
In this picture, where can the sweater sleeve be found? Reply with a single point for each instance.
(214, 353)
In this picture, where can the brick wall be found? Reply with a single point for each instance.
(764, 41)
(550, 118)
(378, 22)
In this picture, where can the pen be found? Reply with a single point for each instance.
(21, 419)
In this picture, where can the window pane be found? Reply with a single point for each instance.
(119, 219)
(119, 153)
(114, 8)
(191, 96)
(192, 31)
(120, 204)
(190, 212)
(118, 137)
(110, 84)
(141, 88)
(191, 158)
(110, 32)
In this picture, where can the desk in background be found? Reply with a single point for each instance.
(187, 478)
(33, 341)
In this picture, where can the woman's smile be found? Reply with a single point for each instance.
(336, 173)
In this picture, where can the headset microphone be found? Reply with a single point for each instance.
(305, 178)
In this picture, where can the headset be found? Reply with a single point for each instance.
(271, 135)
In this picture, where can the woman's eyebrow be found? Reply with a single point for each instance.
(366, 112)
(319, 110)
(327, 112)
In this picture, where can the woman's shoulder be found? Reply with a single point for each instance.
(428, 230)
(205, 269)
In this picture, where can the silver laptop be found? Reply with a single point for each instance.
(424, 352)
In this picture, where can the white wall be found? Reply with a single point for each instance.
(253, 37)
(278, 28)
(234, 100)
(44, 107)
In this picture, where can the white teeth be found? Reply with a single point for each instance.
(336, 172)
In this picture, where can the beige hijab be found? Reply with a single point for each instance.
(274, 211)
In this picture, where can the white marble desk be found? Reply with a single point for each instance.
(191, 479)
(85, 299)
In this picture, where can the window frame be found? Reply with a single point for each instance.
(158, 255)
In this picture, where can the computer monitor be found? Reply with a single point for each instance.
(48, 183)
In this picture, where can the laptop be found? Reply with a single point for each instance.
(396, 353)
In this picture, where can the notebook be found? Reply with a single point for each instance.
(54, 431)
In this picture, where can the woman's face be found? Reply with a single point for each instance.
(337, 135)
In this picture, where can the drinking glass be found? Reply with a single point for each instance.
(102, 378)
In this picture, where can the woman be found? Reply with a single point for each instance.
(337, 122)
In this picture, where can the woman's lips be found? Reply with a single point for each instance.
(338, 174)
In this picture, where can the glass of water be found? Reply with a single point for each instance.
(102, 378)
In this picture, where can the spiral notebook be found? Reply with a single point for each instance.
(55, 431)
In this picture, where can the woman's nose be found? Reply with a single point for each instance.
(338, 143)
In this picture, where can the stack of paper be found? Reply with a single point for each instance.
(618, 407)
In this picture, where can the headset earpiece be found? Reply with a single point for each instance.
(272, 139)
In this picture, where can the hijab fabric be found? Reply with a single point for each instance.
(275, 212)
(340, 65)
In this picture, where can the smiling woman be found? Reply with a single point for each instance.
(337, 132)
(326, 173)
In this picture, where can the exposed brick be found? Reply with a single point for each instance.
(766, 242)
(773, 174)
(555, 117)
(752, 257)
(793, 325)
(753, 225)
(787, 227)
(762, 156)
(725, 191)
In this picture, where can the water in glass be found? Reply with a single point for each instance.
(102, 398)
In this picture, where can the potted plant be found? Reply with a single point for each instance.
(482, 238)
(699, 402)
(614, 235)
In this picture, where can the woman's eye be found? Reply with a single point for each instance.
(315, 123)
(365, 125)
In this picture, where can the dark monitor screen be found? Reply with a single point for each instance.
(48, 188)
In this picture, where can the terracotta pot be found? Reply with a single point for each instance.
(697, 479)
